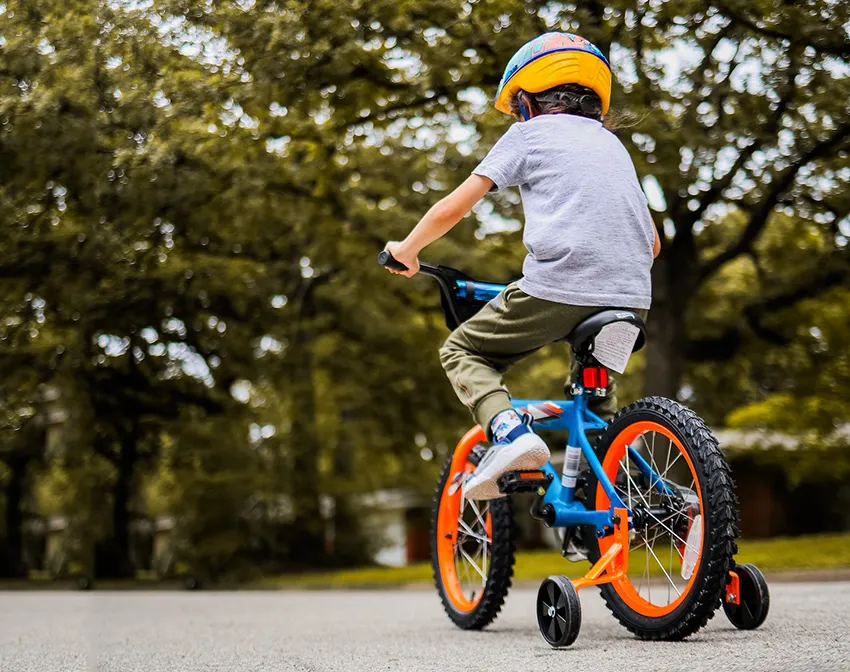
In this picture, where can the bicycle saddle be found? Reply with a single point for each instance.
(588, 328)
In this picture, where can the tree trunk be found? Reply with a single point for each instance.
(667, 336)
(307, 541)
(349, 546)
(664, 353)
(115, 562)
(11, 558)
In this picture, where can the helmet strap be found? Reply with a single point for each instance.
(523, 110)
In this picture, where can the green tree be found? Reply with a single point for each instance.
(192, 196)
(743, 120)
(104, 147)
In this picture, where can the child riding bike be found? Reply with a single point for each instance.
(589, 235)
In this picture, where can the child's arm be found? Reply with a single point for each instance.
(656, 244)
(438, 221)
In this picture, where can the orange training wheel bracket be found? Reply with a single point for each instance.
(733, 588)
(615, 563)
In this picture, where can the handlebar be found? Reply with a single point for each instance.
(387, 259)
(462, 296)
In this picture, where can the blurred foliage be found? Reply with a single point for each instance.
(192, 325)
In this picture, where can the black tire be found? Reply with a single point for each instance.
(502, 557)
(754, 599)
(719, 515)
(558, 611)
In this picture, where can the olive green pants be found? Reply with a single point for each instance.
(509, 328)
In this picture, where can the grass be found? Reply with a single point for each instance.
(829, 551)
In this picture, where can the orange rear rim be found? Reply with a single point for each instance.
(654, 585)
(464, 533)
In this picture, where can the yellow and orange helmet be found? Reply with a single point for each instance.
(553, 59)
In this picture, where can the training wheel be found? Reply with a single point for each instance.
(753, 598)
(558, 611)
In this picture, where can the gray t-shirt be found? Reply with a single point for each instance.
(588, 230)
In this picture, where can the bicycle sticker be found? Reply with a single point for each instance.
(614, 344)
(571, 465)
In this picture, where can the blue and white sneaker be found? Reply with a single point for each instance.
(517, 448)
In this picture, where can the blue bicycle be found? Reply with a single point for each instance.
(651, 505)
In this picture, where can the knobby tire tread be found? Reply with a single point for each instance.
(720, 529)
(502, 558)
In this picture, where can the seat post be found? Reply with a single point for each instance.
(591, 377)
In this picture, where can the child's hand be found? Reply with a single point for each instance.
(404, 255)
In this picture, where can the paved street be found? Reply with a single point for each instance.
(808, 629)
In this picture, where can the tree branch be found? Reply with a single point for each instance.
(726, 345)
(760, 213)
(398, 107)
(719, 186)
(837, 48)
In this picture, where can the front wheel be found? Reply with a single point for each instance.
(472, 546)
(670, 472)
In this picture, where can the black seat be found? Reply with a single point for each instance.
(581, 337)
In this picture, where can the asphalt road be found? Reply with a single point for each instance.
(808, 629)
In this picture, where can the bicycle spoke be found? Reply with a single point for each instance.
(658, 534)
(472, 563)
(652, 496)
(460, 567)
(654, 478)
(669, 531)
(471, 552)
(646, 503)
(484, 563)
(467, 530)
(661, 567)
(667, 469)
(670, 567)
(478, 515)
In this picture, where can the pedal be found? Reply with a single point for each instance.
(523, 481)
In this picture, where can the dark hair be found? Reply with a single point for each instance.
(567, 99)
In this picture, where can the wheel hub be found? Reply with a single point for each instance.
(644, 517)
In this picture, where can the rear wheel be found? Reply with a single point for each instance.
(472, 547)
(684, 524)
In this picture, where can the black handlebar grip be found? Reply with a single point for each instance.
(386, 258)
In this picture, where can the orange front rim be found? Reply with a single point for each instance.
(680, 530)
(461, 526)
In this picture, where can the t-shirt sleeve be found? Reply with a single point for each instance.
(505, 164)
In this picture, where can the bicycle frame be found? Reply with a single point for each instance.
(573, 416)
